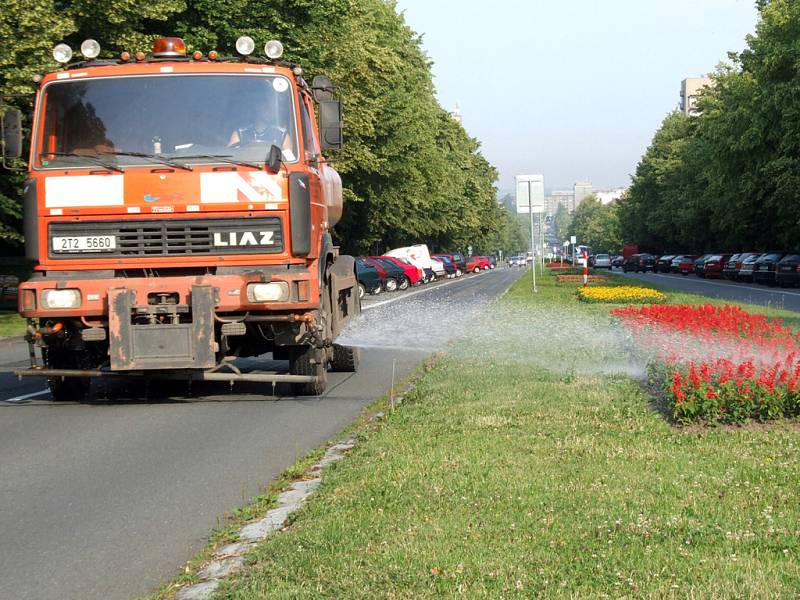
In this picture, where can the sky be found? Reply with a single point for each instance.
(573, 89)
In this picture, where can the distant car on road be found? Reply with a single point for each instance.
(602, 261)
(765, 267)
(734, 264)
(369, 280)
(639, 262)
(663, 263)
(788, 273)
(683, 263)
(745, 272)
(698, 268)
(712, 268)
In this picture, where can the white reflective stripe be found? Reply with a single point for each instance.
(84, 190)
(238, 187)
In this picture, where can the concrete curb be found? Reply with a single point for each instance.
(231, 558)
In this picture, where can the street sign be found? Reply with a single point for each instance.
(573, 240)
(566, 244)
(530, 193)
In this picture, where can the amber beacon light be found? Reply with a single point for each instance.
(169, 47)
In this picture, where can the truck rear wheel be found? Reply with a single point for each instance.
(345, 359)
(67, 389)
(308, 360)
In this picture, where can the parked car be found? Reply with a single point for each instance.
(486, 264)
(734, 264)
(683, 263)
(663, 263)
(729, 268)
(712, 268)
(449, 266)
(698, 267)
(492, 262)
(745, 272)
(412, 273)
(765, 267)
(617, 261)
(639, 262)
(369, 280)
(602, 261)
(458, 261)
(788, 271)
(393, 277)
(438, 268)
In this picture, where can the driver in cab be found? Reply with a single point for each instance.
(270, 121)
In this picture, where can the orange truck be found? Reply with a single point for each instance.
(177, 215)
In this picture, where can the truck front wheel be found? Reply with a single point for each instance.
(68, 389)
(308, 360)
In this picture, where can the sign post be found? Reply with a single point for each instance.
(530, 199)
(573, 240)
(566, 246)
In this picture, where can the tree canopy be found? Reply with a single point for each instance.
(729, 178)
(411, 173)
(597, 225)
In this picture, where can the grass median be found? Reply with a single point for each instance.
(530, 462)
(11, 325)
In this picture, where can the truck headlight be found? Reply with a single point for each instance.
(60, 299)
(277, 291)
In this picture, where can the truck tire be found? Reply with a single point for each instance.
(308, 360)
(345, 359)
(67, 389)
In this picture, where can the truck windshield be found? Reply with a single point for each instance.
(131, 121)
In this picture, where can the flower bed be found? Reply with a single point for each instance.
(719, 364)
(623, 294)
(579, 278)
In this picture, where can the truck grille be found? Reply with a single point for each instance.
(188, 237)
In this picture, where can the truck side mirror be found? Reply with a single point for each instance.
(323, 89)
(274, 159)
(12, 134)
(330, 125)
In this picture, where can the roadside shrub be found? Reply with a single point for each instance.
(623, 294)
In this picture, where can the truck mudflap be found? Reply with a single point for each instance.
(144, 337)
(345, 303)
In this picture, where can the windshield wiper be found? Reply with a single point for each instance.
(95, 158)
(157, 157)
(225, 158)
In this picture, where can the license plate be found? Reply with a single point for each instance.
(84, 243)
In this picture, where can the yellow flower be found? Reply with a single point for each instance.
(620, 295)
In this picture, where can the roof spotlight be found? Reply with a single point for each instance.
(273, 49)
(90, 49)
(62, 53)
(245, 45)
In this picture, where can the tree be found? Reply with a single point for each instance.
(597, 226)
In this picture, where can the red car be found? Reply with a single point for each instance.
(686, 264)
(714, 265)
(476, 263)
(414, 274)
(486, 263)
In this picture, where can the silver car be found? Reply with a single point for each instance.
(602, 261)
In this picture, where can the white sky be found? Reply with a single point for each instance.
(573, 89)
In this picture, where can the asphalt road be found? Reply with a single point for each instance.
(109, 499)
(724, 289)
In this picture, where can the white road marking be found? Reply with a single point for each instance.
(27, 396)
(730, 286)
(415, 292)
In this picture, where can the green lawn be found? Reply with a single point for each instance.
(11, 324)
(528, 463)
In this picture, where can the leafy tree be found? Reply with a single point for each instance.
(597, 225)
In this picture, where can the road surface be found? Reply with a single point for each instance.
(109, 499)
(724, 289)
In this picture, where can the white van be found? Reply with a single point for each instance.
(418, 255)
